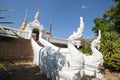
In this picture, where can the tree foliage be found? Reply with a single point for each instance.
(3, 17)
(109, 25)
(103, 25)
(113, 14)
(109, 44)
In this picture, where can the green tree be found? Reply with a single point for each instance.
(103, 25)
(110, 29)
(113, 14)
(109, 44)
(110, 49)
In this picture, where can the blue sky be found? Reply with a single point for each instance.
(65, 14)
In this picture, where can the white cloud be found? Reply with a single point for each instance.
(83, 6)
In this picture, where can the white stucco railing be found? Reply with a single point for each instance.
(36, 49)
(57, 40)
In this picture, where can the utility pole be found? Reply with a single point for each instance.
(50, 27)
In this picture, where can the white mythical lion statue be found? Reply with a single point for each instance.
(68, 63)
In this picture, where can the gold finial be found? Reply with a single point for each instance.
(24, 22)
(2, 28)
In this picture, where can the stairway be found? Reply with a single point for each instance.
(39, 43)
(56, 44)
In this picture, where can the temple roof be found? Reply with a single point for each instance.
(35, 23)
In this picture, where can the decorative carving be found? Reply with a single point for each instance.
(76, 36)
(69, 63)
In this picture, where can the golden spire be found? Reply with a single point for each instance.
(24, 22)
(2, 28)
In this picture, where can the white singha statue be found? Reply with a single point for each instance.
(68, 63)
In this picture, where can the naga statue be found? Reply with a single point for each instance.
(69, 63)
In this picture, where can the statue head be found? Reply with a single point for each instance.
(76, 36)
(96, 42)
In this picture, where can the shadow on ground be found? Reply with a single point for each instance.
(21, 72)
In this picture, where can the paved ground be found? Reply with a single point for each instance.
(111, 75)
(28, 71)
(23, 71)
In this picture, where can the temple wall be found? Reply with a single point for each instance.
(18, 50)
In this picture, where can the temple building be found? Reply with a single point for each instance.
(35, 28)
(60, 57)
